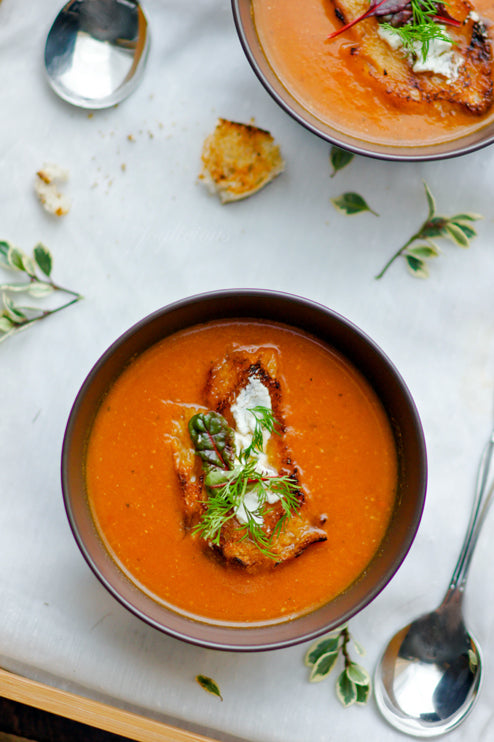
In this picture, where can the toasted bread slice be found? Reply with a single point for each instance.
(224, 382)
(472, 88)
(238, 160)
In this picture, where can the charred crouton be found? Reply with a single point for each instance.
(238, 160)
(224, 384)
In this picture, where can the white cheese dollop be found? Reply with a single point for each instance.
(441, 58)
(254, 394)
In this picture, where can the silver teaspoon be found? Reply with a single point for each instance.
(429, 675)
(96, 51)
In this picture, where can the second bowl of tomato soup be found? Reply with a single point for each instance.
(244, 470)
(396, 80)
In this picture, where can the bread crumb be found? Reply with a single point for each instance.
(46, 187)
(238, 160)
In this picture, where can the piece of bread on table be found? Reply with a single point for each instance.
(238, 160)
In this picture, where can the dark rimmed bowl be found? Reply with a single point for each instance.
(330, 328)
(244, 22)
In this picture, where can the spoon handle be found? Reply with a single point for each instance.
(483, 498)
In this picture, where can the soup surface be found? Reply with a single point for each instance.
(324, 77)
(340, 439)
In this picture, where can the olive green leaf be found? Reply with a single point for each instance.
(352, 203)
(457, 229)
(43, 259)
(346, 690)
(15, 258)
(6, 324)
(467, 230)
(323, 667)
(358, 647)
(321, 647)
(363, 693)
(424, 252)
(417, 266)
(15, 314)
(339, 158)
(40, 290)
(4, 251)
(358, 674)
(209, 685)
(457, 234)
(431, 202)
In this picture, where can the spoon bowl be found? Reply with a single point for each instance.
(96, 51)
(430, 674)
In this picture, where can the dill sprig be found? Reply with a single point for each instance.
(422, 28)
(264, 421)
(226, 494)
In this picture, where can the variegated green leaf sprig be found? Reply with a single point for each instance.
(353, 684)
(36, 282)
(422, 247)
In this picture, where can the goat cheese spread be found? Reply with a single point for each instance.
(440, 58)
(253, 395)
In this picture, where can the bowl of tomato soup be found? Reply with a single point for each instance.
(244, 470)
(357, 92)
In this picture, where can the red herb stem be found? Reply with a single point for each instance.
(368, 12)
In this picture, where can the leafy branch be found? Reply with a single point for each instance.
(353, 684)
(457, 229)
(37, 283)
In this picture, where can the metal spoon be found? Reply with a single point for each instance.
(96, 51)
(429, 675)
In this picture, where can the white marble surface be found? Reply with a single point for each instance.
(141, 233)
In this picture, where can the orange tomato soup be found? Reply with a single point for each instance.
(340, 439)
(324, 77)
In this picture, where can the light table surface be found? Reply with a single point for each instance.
(141, 233)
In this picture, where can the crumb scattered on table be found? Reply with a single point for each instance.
(46, 186)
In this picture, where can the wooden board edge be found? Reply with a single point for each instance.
(93, 713)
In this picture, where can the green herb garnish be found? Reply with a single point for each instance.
(457, 229)
(353, 684)
(37, 283)
(226, 493)
(423, 27)
(227, 483)
(418, 30)
(264, 421)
